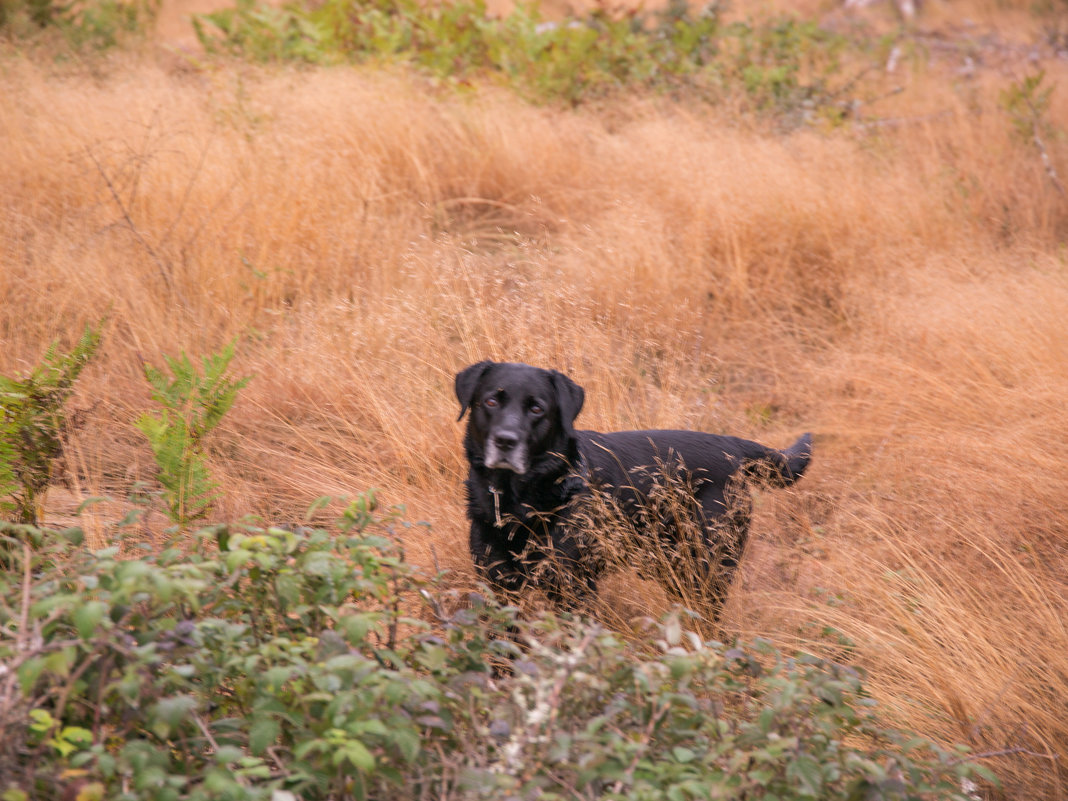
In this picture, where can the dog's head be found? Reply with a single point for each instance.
(518, 413)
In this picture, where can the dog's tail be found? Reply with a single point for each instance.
(780, 468)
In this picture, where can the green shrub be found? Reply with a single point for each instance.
(780, 65)
(784, 65)
(194, 404)
(1027, 102)
(96, 24)
(268, 663)
(31, 425)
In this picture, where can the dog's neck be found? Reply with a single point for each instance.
(546, 488)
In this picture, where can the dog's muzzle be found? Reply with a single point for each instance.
(505, 450)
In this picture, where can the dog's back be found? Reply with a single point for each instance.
(625, 458)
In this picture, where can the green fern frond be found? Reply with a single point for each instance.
(194, 404)
(31, 422)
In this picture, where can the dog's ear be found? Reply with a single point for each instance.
(569, 396)
(466, 382)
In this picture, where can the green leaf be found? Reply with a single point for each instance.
(317, 505)
(288, 586)
(76, 734)
(237, 558)
(356, 754)
(75, 535)
(409, 743)
(107, 764)
(806, 773)
(766, 720)
(683, 755)
(170, 712)
(277, 676)
(42, 721)
(90, 501)
(262, 734)
(302, 750)
(356, 626)
(228, 753)
(986, 773)
(59, 663)
(94, 791)
(87, 617)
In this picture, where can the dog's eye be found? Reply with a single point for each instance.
(490, 403)
(536, 409)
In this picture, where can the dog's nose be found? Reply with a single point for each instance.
(505, 441)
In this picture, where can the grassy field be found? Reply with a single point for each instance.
(898, 287)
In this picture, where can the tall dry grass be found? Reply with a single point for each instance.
(901, 290)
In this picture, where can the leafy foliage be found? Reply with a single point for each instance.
(194, 405)
(31, 425)
(784, 65)
(99, 24)
(1027, 102)
(270, 663)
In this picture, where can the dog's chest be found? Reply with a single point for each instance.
(514, 515)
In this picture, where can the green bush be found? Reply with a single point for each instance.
(32, 417)
(194, 403)
(96, 24)
(277, 664)
(782, 65)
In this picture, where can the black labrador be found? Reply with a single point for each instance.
(533, 478)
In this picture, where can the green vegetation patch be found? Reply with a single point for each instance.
(316, 663)
(194, 403)
(92, 24)
(786, 64)
(32, 419)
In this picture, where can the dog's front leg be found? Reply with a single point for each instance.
(498, 566)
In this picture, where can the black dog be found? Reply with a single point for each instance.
(531, 472)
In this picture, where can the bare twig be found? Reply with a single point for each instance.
(206, 732)
(162, 266)
(1036, 137)
(1051, 171)
(185, 195)
(974, 733)
(27, 578)
(75, 676)
(890, 122)
(435, 607)
(277, 759)
(650, 728)
(1012, 751)
(852, 82)
(10, 693)
(1015, 750)
(546, 708)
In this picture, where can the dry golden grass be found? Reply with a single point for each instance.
(902, 291)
